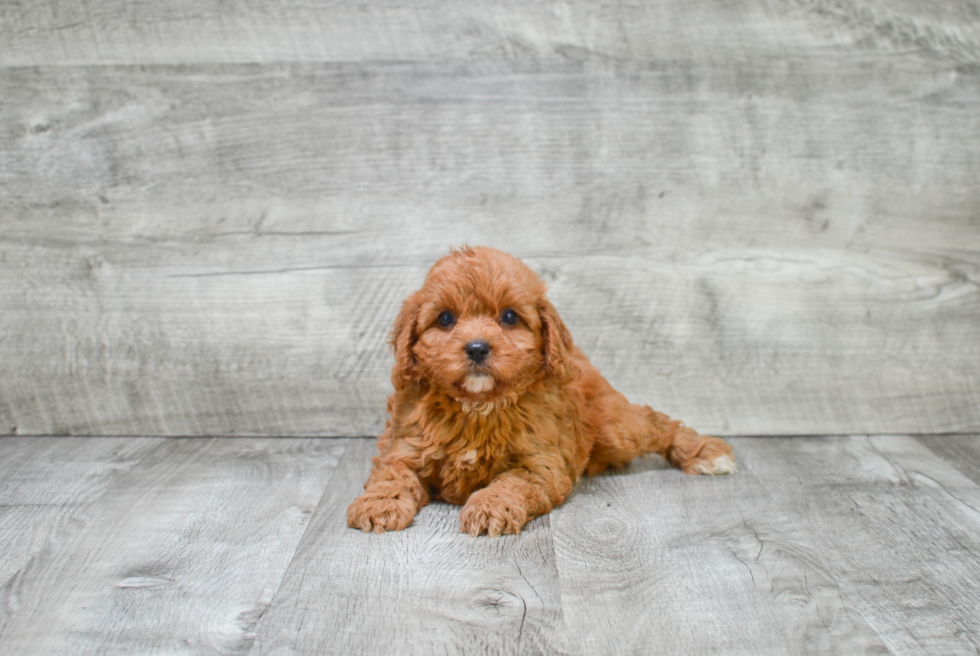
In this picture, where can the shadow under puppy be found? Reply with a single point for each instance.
(497, 410)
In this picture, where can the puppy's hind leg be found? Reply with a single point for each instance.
(684, 448)
(624, 431)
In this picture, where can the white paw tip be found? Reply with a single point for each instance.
(721, 465)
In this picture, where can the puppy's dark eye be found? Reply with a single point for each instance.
(446, 319)
(509, 317)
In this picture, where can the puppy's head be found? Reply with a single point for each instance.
(480, 328)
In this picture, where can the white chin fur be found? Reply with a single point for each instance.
(478, 383)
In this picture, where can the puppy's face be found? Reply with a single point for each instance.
(479, 328)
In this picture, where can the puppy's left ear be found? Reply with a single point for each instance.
(557, 341)
(404, 335)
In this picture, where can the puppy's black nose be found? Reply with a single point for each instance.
(477, 351)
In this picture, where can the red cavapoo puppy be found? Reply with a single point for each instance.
(497, 410)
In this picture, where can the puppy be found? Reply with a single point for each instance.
(497, 410)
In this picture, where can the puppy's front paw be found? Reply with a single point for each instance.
(493, 514)
(381, 512)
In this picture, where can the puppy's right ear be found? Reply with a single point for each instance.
(404, 335)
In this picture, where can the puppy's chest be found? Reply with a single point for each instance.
(462, 458)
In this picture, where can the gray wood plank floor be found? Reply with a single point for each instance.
(238, 545)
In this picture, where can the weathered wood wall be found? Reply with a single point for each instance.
(760, 216)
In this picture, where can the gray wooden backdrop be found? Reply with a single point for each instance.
(760, 216)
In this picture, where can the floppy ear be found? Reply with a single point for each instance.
(404, 334)
(557, 342)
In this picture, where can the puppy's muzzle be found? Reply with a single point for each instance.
(477, 351)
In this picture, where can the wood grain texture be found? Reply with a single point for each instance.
(220, 249)
(649, 556)
(231, 545)
(429, 589)
(898, 525)
(44, 484)
(960, 451)
(188, 31)
(183, 553)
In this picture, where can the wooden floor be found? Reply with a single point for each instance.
(238, 545)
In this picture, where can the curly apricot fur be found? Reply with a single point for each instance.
(506, 437)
